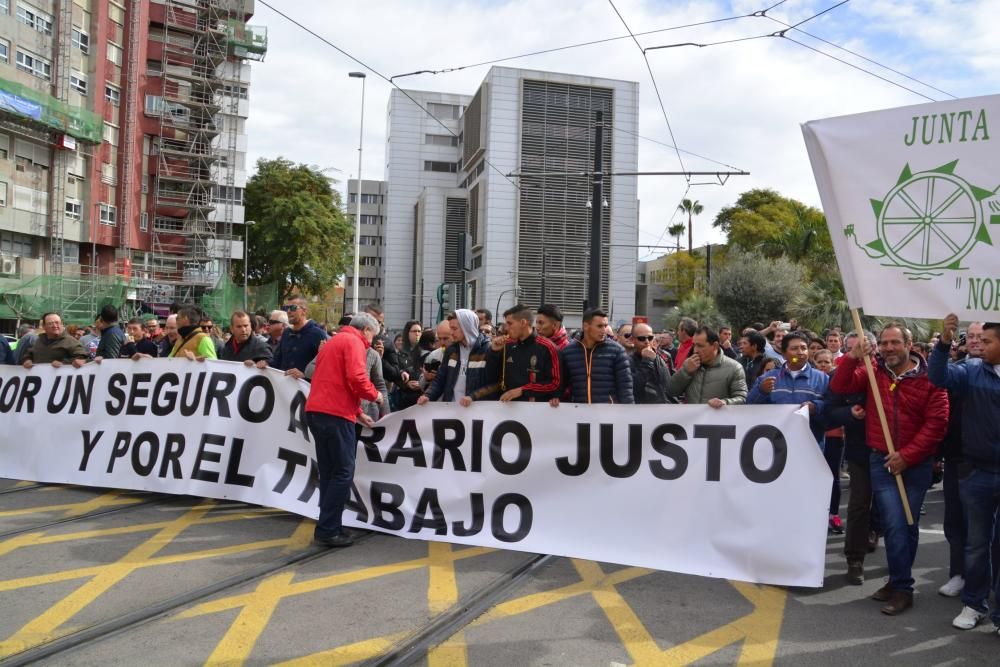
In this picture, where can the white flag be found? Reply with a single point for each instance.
(911, 198)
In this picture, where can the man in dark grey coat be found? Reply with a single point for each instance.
(243, 345)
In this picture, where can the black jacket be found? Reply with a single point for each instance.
(649, 379)
(531, 364)
(610, 376)
(255, 349)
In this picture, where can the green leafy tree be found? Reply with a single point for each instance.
(691, 208)
(748, 203)
(300, 238)
(751, 287)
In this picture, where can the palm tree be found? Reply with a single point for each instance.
(677, 231)
(692, 208)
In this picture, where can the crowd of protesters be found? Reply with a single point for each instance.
(941, 400)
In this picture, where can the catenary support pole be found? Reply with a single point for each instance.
(596, 210)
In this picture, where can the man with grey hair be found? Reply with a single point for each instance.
(339, 384)
(276, 324)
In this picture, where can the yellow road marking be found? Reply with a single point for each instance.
(109, 499)
(759, 630)
(242, 635)
(442, 595)
(45, 627)
(347, 654)
(328, 581)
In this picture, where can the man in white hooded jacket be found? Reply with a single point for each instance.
(463, 366)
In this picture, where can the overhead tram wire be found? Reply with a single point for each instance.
(381, 76)
(862, 57)
(656, 88)
(782, 35)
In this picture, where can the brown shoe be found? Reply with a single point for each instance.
(855, 572)
(898, 602)
(883, 594)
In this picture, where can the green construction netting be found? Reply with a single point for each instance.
(251, 38)
(227, 296)
(44, 109)
(79, 299)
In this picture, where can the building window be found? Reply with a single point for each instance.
(3, 193)
(369, 219)
(29, 62)
(440, 140)
(35, 18)
(74, 209)
(225, 194)
(81, 40)
(154, 68)
(369, 261)
(369, 240)
(5, 7)
(71, 252)
(16, 245)
(112, 94)
(111, 133)
(367, 282)
(4, 51)
(109, 214)
(115, 53)
(144, 222)
(444, 111)
(443, 167)
(236, 90)
(116, 13)
(109, 173)
(78, 82)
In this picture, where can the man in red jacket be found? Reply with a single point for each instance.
(334, 405)
(917, 413)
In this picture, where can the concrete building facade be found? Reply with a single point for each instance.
(372, 242)
(521, 228)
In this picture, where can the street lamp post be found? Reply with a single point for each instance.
(357, 215)
(246, 261)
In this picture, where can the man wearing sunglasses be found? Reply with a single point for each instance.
(300, 342)
(649, 372)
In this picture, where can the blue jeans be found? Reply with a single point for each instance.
(900, 539)
(954, 520)
(336, 450)
(980, 493)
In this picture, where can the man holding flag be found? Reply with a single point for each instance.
(918, 419)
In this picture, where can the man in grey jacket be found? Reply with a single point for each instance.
(708, 375)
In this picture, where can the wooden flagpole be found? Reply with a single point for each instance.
(881, 413)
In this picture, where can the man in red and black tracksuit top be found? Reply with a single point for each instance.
(524, 366)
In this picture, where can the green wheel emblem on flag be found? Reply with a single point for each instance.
(929, 220)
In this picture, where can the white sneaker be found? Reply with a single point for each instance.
(953, 588)
(968, 619)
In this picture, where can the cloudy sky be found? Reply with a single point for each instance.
(739, 104)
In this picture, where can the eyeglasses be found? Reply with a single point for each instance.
(275, 322)
(290, 308)
(627, 335)
(207, 327)
(151, 327)
(642, 339)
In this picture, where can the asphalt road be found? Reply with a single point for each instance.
(102, 577)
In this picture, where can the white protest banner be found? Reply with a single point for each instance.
(911, 199)
(738, 493)
(214, 429)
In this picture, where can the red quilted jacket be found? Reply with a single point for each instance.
(916, 410)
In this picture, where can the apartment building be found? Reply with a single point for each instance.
(122, 150)
(372, 242)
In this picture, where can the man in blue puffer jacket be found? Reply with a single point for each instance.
(594, 369)
(463, 366)
(795, 383)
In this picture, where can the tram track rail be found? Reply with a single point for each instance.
(439, 629)
(158, 499)
(18, 489)
(135, 618)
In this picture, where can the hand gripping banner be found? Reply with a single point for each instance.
(739, 493)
